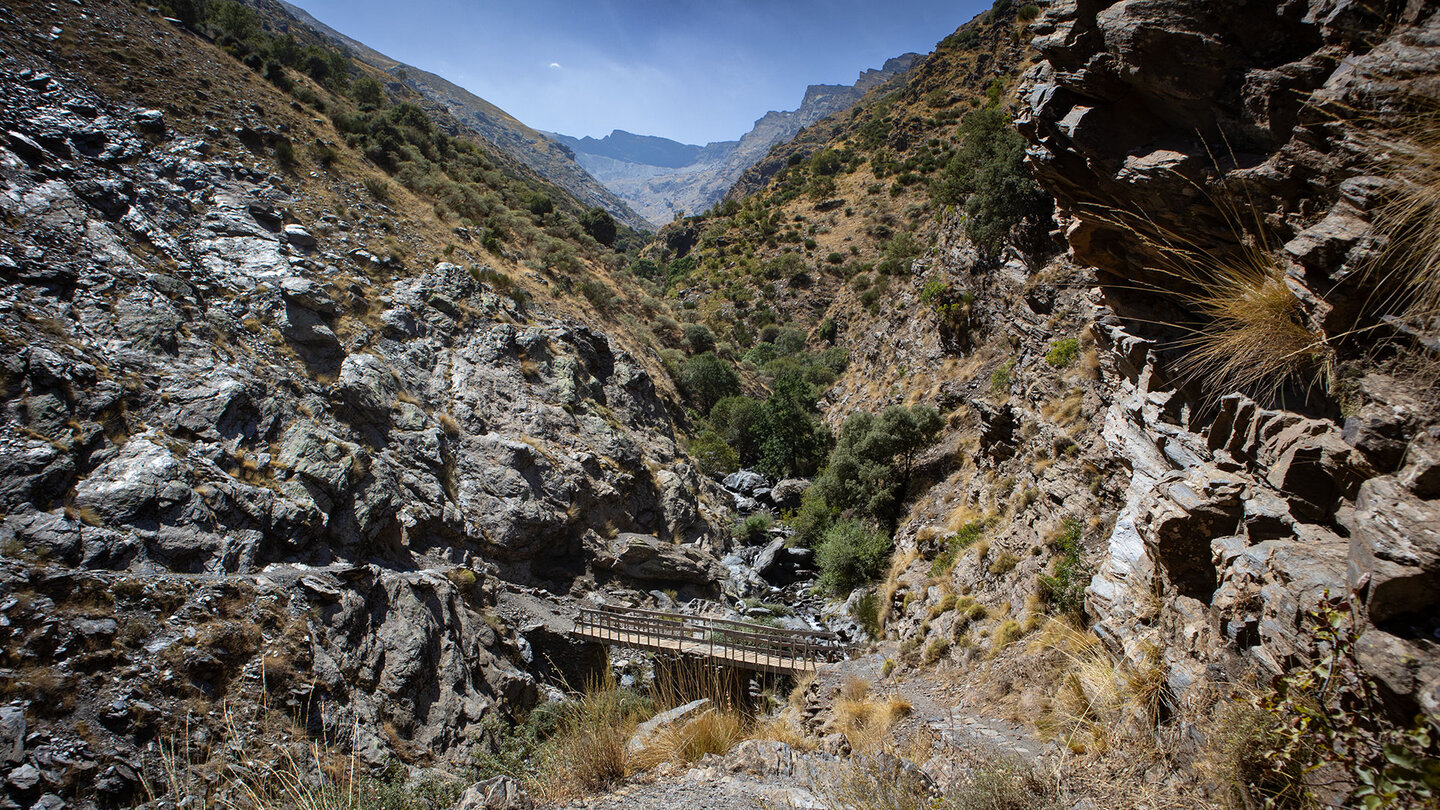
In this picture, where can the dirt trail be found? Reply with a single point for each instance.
(935, 705)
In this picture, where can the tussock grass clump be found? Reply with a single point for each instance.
(1099, 699)
(713, 732)
(865, 719)
(588, 752)
(1255, 339)
(1410, 217)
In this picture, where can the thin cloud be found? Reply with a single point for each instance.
(554, 65)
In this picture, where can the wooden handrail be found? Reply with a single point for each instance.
(742, 643)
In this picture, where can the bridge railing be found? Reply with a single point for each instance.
(743, 643)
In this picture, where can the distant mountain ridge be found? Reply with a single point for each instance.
(652, 150)
(531, 147)
(644, 171)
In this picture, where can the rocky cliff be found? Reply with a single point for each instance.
(659, 190)
(252, 466)
(1239, 514)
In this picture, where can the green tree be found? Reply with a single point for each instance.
(540, 204)
(870, 468)
(709, 379)
(367, 92)
(700, 338)
(851, 555)
(989, 177)
(599, 224)
(795, 439)
(741, 422)
(826, 162)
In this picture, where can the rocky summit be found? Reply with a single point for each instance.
(1046, 421)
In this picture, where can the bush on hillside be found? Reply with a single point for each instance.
(870, 468)
(707, 379)
(850, 555)
(988, 176)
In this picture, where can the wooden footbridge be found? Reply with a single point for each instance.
(738, 644)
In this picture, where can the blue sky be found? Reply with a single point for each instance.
(692, 70)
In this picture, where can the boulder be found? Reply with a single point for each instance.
(308, 294)
(1395, 539)
(745, 482)
(649, 731)
(645, 557)
(780, 565)
(299, 237)
(368, 386)
(787, 493)
(761, 758)
(495, 793)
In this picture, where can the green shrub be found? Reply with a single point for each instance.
(707, 379)
(714, 454)
(867, 612)
(1000, 378)
(1062, 353)
(1328, 718)
(953, 546)
(869, 470)
(600, 225)
(851, 555)
(700, 338)
(753, 528)
(1064, 590)
(988, 176)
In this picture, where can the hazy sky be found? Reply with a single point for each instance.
(692, 70)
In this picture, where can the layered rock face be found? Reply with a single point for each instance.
(244, 461)
(1169, 117)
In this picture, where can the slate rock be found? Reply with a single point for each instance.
(649, 731)
(495, 793)
(12, 735)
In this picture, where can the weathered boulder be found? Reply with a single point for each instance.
(495, 793)
(782, 565)
(786, 494)
(761, 758)
(745, 482)
(306, 293)
(649, 731)
(647, 558)
(1395, 540)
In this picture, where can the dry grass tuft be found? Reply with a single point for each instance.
(1255, 339)
(866, 720)
(589, 752)
(713, 732)
(1099, 701)
(1410, 217)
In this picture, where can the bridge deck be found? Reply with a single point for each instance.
(737, 644)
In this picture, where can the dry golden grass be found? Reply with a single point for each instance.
(1255, 338)
(589, 753)
(713, 732)
(864, 719)
(1099, 699)
(1409, 153)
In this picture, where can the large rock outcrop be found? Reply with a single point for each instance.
(291, 473)
(1173, 124)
